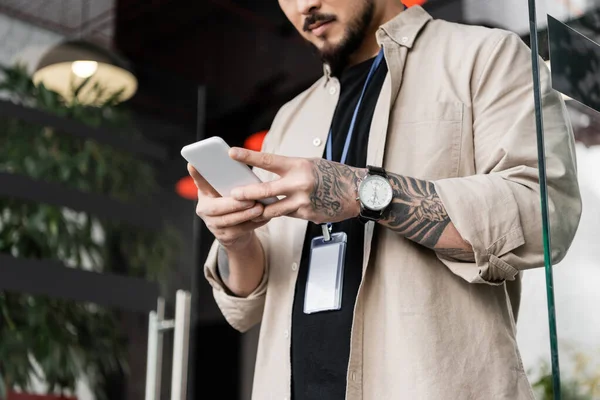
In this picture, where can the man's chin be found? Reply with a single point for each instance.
(329, 52)
(327, 47)
(332, 53)
(333, 57)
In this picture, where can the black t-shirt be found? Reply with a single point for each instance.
(321, 342)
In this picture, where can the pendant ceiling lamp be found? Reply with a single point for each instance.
(68, 65)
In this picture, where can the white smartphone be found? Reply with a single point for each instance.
(211, 159)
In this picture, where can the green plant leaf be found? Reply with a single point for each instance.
(46, 98)
(80, 87)
(69, 339)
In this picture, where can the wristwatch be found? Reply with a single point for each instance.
(375, 194)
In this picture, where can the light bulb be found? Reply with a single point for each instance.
(84, 69)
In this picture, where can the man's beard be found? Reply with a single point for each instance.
(338, 56)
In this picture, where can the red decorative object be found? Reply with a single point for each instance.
(186, 188)
(254, 142)
(410, 3)
(26, 396)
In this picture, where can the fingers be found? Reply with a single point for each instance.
(216, 207)
(226, 221)
(201, 183)
(282, 208)
(266, 161)
(260, 191)
(229, 236)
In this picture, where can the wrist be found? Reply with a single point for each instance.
(375, 194)
(246, 267)
(359, 175)
(241, 245)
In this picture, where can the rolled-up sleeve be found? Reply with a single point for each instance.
(498, 210)
(242, 313)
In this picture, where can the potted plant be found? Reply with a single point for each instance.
(57, 341)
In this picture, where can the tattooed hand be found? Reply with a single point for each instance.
(316, 190)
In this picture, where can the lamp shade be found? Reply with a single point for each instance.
(67, 65)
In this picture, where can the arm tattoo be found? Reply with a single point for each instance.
(333, 183)
(457, 254)
(223, 264)
(416, 211)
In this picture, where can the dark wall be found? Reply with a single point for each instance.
(449, 10)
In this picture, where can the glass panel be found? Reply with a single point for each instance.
(576, 74)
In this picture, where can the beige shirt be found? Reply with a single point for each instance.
(457, 109)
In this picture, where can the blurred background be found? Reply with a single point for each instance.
(97, 214)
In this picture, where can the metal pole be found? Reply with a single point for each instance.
(154, 357)
(544, 199)
(181, 346)
(151, 358)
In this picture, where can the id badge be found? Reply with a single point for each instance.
(325, 274)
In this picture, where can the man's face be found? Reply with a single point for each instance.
(335, 27)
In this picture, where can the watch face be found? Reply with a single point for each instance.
(375, 193)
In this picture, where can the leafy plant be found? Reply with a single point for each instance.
(582, 384)
(56, 340)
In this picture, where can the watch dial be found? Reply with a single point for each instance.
(376, 193)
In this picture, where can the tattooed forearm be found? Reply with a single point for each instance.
(335, 188)
(416, 211)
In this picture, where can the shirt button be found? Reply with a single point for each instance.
(286, 334)
(353, 376)
(294, 266)
(316, 142)
(332, 90)
(404, 39)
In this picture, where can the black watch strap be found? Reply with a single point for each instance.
(367, 215)
(377, 171)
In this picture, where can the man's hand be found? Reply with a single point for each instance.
(230, 220)
(316, 190)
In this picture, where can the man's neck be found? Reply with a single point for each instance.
(369, 47)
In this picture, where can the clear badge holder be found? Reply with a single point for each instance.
(325, 273)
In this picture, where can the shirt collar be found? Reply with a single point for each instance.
(403, 29)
